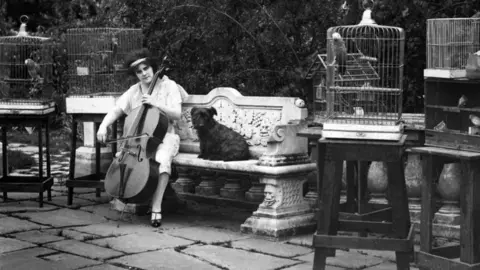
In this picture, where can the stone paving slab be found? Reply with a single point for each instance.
(104, 198)
(135, 243)
(236, 259)
(72, 234)
(37, 237)
(9, 244)
(207, 235)
(309, 266)
(115, 228)
(102, 267)
(349, 260)
(84, 249)
(104, 210)
(12, 224)
(387, 266)
(27, 259)
(166, 259)
(301, 240)
(64, 217)
(1, 215)
(24, 206)
(69, 261)
(61, 201)
(268, 247)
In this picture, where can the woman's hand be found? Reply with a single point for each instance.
(147, 99)
(102, 134)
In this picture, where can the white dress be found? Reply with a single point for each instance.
(167, 93)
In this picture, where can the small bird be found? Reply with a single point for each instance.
(475, 120)
(340, 52)
(462, 102)
(33, 70)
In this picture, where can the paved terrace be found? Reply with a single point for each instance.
(89, 235)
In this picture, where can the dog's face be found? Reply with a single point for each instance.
(203, 117)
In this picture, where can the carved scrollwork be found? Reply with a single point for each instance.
(256, 125)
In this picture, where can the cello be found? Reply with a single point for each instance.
(133, 174)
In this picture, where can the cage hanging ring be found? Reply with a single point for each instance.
(368, 4)
(24, 19)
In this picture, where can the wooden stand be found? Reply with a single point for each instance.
(38, 183)
(469, 248)
(91, 180)
(331, 154)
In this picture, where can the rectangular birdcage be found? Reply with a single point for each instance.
(450, 41)
(364, 82)
(95, 59)
(16, 80)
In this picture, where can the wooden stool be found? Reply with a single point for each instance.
(469, 249)
(91, 180)
(331, 154)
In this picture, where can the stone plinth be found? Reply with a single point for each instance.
(284, 211)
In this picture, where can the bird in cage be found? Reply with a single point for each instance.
(340, 53)
(475, 120)
(462, 102)
(33, 69)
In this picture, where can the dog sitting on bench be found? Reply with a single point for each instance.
(217, 142)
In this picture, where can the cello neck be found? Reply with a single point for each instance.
(140, 112)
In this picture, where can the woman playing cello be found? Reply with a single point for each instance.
(167, 96)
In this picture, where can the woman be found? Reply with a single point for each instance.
(167, 96)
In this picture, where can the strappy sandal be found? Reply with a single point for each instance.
(156, 219)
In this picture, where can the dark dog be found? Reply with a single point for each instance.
(217, 142)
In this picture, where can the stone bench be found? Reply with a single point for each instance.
(272, 180)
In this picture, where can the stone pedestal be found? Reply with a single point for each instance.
(85, 155)
(284, 211)
(449, 189)
(377, 182)
(414, 176)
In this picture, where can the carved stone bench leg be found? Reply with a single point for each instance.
(284, 211)
(184, 183)
(255, 193)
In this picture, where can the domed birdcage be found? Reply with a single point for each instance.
(95, 58)
(364, 66)
(26, 65)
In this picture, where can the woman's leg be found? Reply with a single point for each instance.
(163, 179)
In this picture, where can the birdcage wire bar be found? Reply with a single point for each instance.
(450, 41)
(369, 89)
(95, 59)
(15, 80)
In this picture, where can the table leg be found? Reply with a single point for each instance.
(470, 217)
(96, 126)
(428, 203)
(72, 159)
(329, 183)
(5, 158)
(47, 146)
(40, 160)
(400, 214)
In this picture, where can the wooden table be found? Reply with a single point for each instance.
(40, 183)
(469, 248)
(92, 180)
(331, 154)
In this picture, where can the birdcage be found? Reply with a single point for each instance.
(364, 65)
(450, 41)
(95, 59)
(26, 65)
